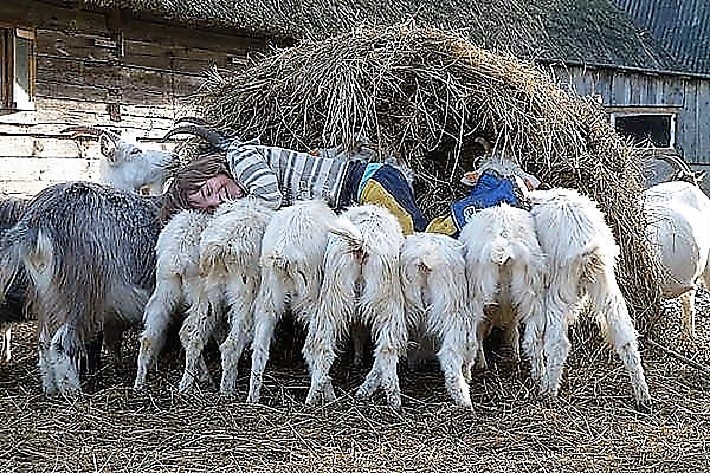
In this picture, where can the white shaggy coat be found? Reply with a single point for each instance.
(230, 247)
(436, 304)
(581, 256)
(678, 227)
(177, 284)
(505, 273)
(291, 273)
(361, 286)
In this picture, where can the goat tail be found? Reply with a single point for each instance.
(429, 259)
(276, 260)
(501, 251)
(345, 229)
(591, 261)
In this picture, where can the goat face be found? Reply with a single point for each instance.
(117, 152)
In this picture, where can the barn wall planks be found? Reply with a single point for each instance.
(101, 69)
(687, 96)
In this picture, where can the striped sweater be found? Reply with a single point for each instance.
(281, 176)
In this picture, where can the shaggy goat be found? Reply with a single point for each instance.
(361, 285)
(292, 269)
(230, 247)
(12, 310)
(581, 255)
(130, 167)
(89, 271)
(678, 227)
(177, 283)
(505, 271)
(436, 303)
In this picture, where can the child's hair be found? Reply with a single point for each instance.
(188, 180)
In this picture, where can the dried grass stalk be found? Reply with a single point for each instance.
(425, 95)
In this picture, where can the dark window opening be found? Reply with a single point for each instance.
(644, 128)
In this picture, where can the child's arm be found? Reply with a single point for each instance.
(251, 171)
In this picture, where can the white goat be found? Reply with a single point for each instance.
(127, 166)
(678, 227)
(505, 273)
(581, 255)
(361, 287)
(291, 272)
(178, 283)
(436, 303)
(230, 247)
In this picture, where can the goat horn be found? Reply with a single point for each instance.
(675, 160)
(211, 136)
(195, 120)
(89, 130)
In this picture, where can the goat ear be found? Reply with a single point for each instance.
(108, 148)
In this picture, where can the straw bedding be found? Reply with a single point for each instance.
(425, 96)
(591, 428)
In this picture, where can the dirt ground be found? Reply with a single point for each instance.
(592, 427)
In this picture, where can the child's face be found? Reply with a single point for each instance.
(215, 191)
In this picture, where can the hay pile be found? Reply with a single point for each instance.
(425, 95)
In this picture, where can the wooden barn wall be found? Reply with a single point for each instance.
(688, 96)
(96, 69)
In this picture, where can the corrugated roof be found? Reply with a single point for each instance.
(682, 26)
(590, 32)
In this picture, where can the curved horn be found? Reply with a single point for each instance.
(677, 161)
(90, 130)
(195, 120)
(212, 137)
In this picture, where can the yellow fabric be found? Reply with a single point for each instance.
(443, 225)
(374, 193)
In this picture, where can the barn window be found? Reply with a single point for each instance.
(654, 127)
(17, 69)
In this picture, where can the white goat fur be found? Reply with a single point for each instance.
(505, 274)
(436, 303)
(177, 283)
(361, 287)
(291, 273)
(230, 247)
(678, 227)
(132, 168)
(581, 255)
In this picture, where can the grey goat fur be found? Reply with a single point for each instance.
(89, 252)
(11, 310)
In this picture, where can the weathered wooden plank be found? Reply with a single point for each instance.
(673, 91)
(24, 189)
(702, 120)
(73, 71)
(604, 86)
(40, 15)
(47, 170)
(53, 89)
(28, 145)
(77, 45)
(687, 121)
(169, 35)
